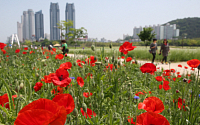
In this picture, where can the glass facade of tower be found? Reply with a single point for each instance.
(31, 19)
(70, 14)
(39, 25)
(54, 19)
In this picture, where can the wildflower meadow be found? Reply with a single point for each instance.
(45, 87)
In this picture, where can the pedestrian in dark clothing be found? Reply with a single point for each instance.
(153, 48)
(165, 50)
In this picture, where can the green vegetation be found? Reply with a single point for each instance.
(175, 55)
(190, 26)
(146, 35)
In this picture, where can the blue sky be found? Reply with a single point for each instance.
(102, 18)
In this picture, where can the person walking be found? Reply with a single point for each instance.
(165, 50)
(64, 47)
(153, 48)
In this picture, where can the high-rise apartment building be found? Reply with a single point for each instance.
(70, 14)
(39, 25)
(31, 18)
(54, 19)
(20, 31)
(25, 26)
(162, 32)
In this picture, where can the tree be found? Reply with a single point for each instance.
(55, 42)
(67, 26)
(27, 42)
(146, 35)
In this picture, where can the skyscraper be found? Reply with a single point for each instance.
(70, 14)
(54, 19)
(25, 26)
(31, 19)
(20, 31)
(39, 25)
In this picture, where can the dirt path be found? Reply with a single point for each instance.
(160, 65)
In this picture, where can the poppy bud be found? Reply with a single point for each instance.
(102, 95)
(95, 58)
(113, 59)
(114, 108)
(177, 91)
(17, 89)
(110, 45)
(84, 107)
(119, 63)
(75, 112)
(37, 74)
(74, 64)
(21, 85)
(184, 80)
(71, 93)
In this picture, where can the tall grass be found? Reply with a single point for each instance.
(142, 53)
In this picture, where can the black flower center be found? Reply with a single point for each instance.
(61, 78)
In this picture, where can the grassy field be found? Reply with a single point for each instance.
(175, 55)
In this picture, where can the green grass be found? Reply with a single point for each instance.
(175, 55)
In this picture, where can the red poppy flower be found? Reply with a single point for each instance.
(7, 55)
(51, 53)
(61, 78)
(127, 46)
(152, 104)
(47, 78)
(106, 58)
(4, 101)
(89, 113)
(91, 60)
(24, 53)
(192, 69)
(174, 79)
(150, 118)
(79, 64)
(42, 112)
(2, 45)
(179, 76)
(159, 78)
(181, 103)
(47, 57)
(66, 65)
(173, 70)
(128, 59)
(123, 57)
(89, 74)
(110, 66)
(65, 100)
(43, 53)
(26, 48)
(59, 56)
(139, 93)
(31, 52)
(180, 65)
(57, 91)
(194, 63)
(80, 81)
(188, 75)
(66, 55)
(165, 86)
(178, 73)
(54, 49)
(38, 86)
(87, 94)
(130, 120)
(148, 68)
(149, 92)
(4, 51)
(185, 67)
(189, 80)
(17, 50)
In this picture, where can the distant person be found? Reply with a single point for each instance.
(165, 50)
(153, 48)
(50, 47)
(64, 47)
